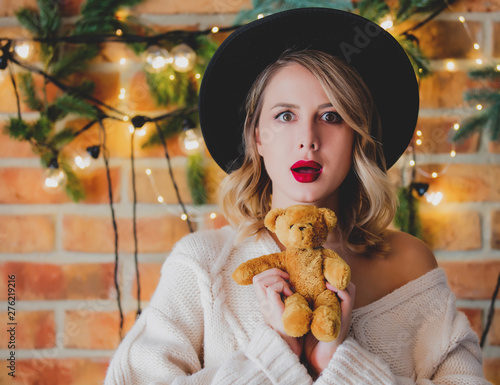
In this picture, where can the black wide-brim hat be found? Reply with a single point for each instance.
(243, 55)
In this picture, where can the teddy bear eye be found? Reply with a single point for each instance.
(291, 226)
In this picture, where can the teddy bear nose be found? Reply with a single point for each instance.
(301, 228)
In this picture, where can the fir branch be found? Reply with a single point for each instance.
(71, 104)
(482, 95)
(27, 86)
(487, 73)
(373, 10)
(30, 20)
(406, 218)
(74, 187)
(470, 125)
(196, 179)
(41, 129)
(409, 8)
(50, 17)
(418, 60)
(74, 61)
(18, 129)
(61, 138)
(172, 126)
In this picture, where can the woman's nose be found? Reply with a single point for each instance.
(308, 137)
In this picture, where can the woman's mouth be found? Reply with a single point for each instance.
(306, 171)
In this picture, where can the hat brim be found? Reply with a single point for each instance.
(243, 55)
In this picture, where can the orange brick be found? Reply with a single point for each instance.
(149, 274)
(107, 85)
(191, 6)
(465, 182)
(89, 329)
(23, 185)
(140, 97)
(43, 281)
(475, 317)
(159, 181)
(472, 279)
(491, 367)
(47, 370)
(496, 39)
(35, 330)
(11, 148)
(494, 332)
(436, 137)
(476, 6)
(92, 234)
(494, 147)
(442, 39)
(443, 90)
(26, 233)
(451, 230)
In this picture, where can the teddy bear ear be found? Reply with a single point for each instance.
(271, 216)
(329, 217)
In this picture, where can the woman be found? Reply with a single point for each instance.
(331, 102)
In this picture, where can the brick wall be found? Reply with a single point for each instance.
(62, 253)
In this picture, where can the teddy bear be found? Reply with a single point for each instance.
(303, 229)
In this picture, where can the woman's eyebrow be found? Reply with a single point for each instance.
(294, 106)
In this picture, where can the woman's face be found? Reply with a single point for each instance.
(305, 144)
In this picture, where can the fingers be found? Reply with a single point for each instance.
(273, 280)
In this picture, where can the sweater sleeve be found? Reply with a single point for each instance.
(446, 352)
(165, 346)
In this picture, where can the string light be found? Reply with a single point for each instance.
(171, 77)
(126, 118)
(213, 215)
(24, 49)
(453, 153)
(123, 61)
(119, 32)
(54, 180)
(197, 76)
(450, 65)
(215, 29)
(260, 16)
(434, 174)
(184, 217)
(156, 58)
(184, 58)
(434, 197)
(412, 163)
(479, 61)
(476, 46)
(498, 67)
(387, 23)
(456, 126)
(462, 19)
(479, 107)
(123, 93)
(148, 171)
(419, 142)
(160, 199)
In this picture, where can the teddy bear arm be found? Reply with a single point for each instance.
(337, 272)
(244, 273)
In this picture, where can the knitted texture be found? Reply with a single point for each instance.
(202, 328)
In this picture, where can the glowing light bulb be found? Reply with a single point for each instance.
(131, 128)
(184, 217)
(55, 179)
(123, 94)
(456, 126)
(148, 171)
(83, 162)
(419, 133)
(453, 153)
(191, 141)
(412, 163)
(479, 107)
(462, 19)
(434, 198)
(479, 61)
(24, 49)
(387, 23)
(498, 67)
(260, 16)
(126, 118)
(419, 142)
(213, 215)
(141, 131)
(450, 65)
(156, 59)
(119, 32)
(476, 46)
(197, 76)
(215, 29)
(160, 199)
(434, 174)
(171, 77)
(123, 61)
(184, 58)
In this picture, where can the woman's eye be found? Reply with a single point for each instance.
(285, 116)
(331, 117)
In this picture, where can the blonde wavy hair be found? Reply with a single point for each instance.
(368, 198)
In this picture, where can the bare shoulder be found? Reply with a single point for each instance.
(410, 256)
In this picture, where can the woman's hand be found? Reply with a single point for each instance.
(318, 353)
(269, 286)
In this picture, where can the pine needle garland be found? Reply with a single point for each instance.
(407, 218)
(196, 179)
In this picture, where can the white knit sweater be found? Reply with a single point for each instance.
(202, 328)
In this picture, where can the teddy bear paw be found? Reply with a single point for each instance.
(325, 325)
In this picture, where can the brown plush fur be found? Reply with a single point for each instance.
(303, 230)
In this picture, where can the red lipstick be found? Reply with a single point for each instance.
(306, 171)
